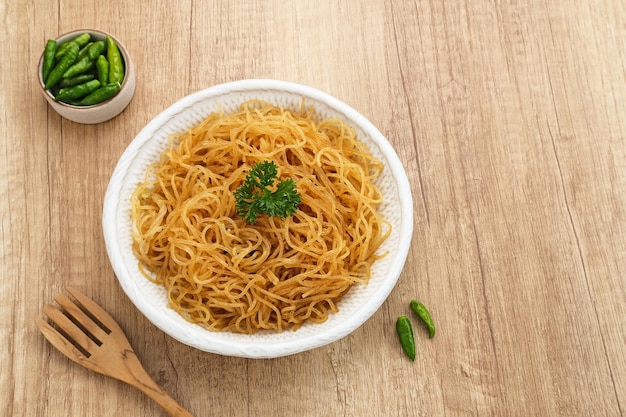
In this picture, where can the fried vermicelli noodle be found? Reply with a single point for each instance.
(276, 273)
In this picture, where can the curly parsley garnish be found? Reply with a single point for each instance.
(255, 196)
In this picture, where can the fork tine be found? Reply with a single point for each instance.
(70, 328)
(95, 310)
(82, 318)
(59, 341)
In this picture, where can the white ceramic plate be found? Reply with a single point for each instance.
(360, 303)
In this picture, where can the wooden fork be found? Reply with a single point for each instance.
(88, 335)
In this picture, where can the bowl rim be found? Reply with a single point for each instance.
(277, 348)
(128, 66)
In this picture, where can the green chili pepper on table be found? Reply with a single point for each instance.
(77, 91)
(48, 58)
(405, 333)
(423, 313)
(64, 63)
(100, 95)
(102, 66)
(116, 66)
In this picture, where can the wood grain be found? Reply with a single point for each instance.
(509, 120)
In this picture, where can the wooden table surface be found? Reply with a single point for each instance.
(510, 120)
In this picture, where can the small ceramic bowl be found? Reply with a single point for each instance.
(99, 112)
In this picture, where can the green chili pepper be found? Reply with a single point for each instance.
(79, 67)
(101, 94)
(102, 66)
(64, 63)
(83, 51)
(405, 333)
(96, 49)
(77, 91)
(61, 50)
(48, 58)
(421, 311)
(116, 66)
(87, 62)
(79, 79)
(80, 40)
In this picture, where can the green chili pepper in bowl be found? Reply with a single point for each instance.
(96, 49)
(424, 315)
(62, 49)
(64, 63)
(77, 91)
(79, 67)
(102, 67)
(87, 62)
(80, 40)
(48, 58)
(101, 94)
(116, 66)
(405, 333)
(79, 79)
(83, 51)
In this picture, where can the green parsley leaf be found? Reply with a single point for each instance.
(255, 196)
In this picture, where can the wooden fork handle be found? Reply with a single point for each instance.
(164, 400)
(168, 403)
(140, 379)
